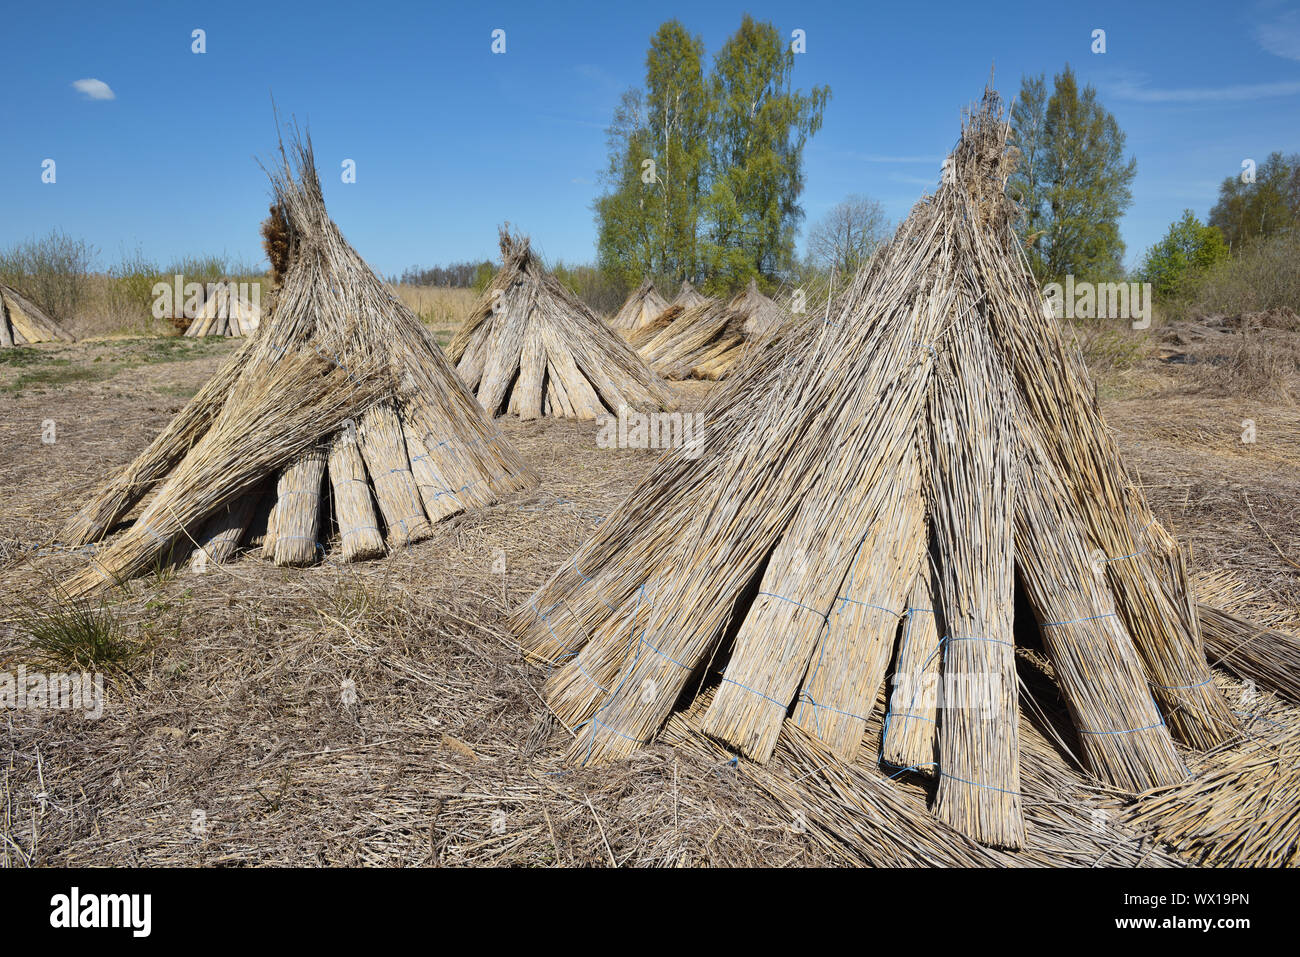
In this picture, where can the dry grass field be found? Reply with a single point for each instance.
(231, 735)
(442, 309)
(116, 309)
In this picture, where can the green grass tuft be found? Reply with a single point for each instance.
(81, 636)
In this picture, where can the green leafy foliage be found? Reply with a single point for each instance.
(1073, 181)
(1186, 251)
(1254, 210)
(757, 136)
(1264, 273)
(705, 172)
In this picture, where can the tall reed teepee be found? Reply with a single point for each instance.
(640, 309)
(340, 424)
(23, 322)
(762, 315)
(869, 491)
(532, 348)
(687, 296)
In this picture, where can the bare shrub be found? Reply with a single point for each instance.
(1262, 364)
(52, 270)
(1265, 274)
(1108, 346)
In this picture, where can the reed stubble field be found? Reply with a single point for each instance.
(381, 713)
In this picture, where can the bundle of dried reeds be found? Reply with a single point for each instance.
(643, 304)
(271, 420)
(709, 339)
(1099, 671)
(22, 321)
(532, 348)
(970, 485)
(342, 389)
(848, 665)
(1143, 566)
(910, 736)
(638, 338)
(225, 313)
(776, 563)
(225, 530)
(359, 533)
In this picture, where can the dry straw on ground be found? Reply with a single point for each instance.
(532, 348)
(732, 568)
(343, 379)
(1249, 635)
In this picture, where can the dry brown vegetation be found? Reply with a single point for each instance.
(233, 713)
(111, 307)
(443, 309)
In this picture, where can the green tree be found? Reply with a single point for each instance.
(648, 219)
(1074, 181)
(757, 135)
(677, 114)
(1251, 210)
(705, 173)
(1026, 185)
(1186, 251)
(625, 243)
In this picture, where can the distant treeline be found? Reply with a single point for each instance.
(466, 275)
(600, 289)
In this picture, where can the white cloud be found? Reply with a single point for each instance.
(94, 89)
(1139, 92)
(595, 74)
(918, 160)
(915, 180)
(1281, 37)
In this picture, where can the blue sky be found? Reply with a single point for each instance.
(450, 140)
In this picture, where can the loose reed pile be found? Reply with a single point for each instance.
(23, 322)
(1239, 809)
(865, 817)
(871, 486)
(225, 313)
(642, 306)
(1230, 613)
(708, 339)
(339, 421)
(704, 341)
(532, 348)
